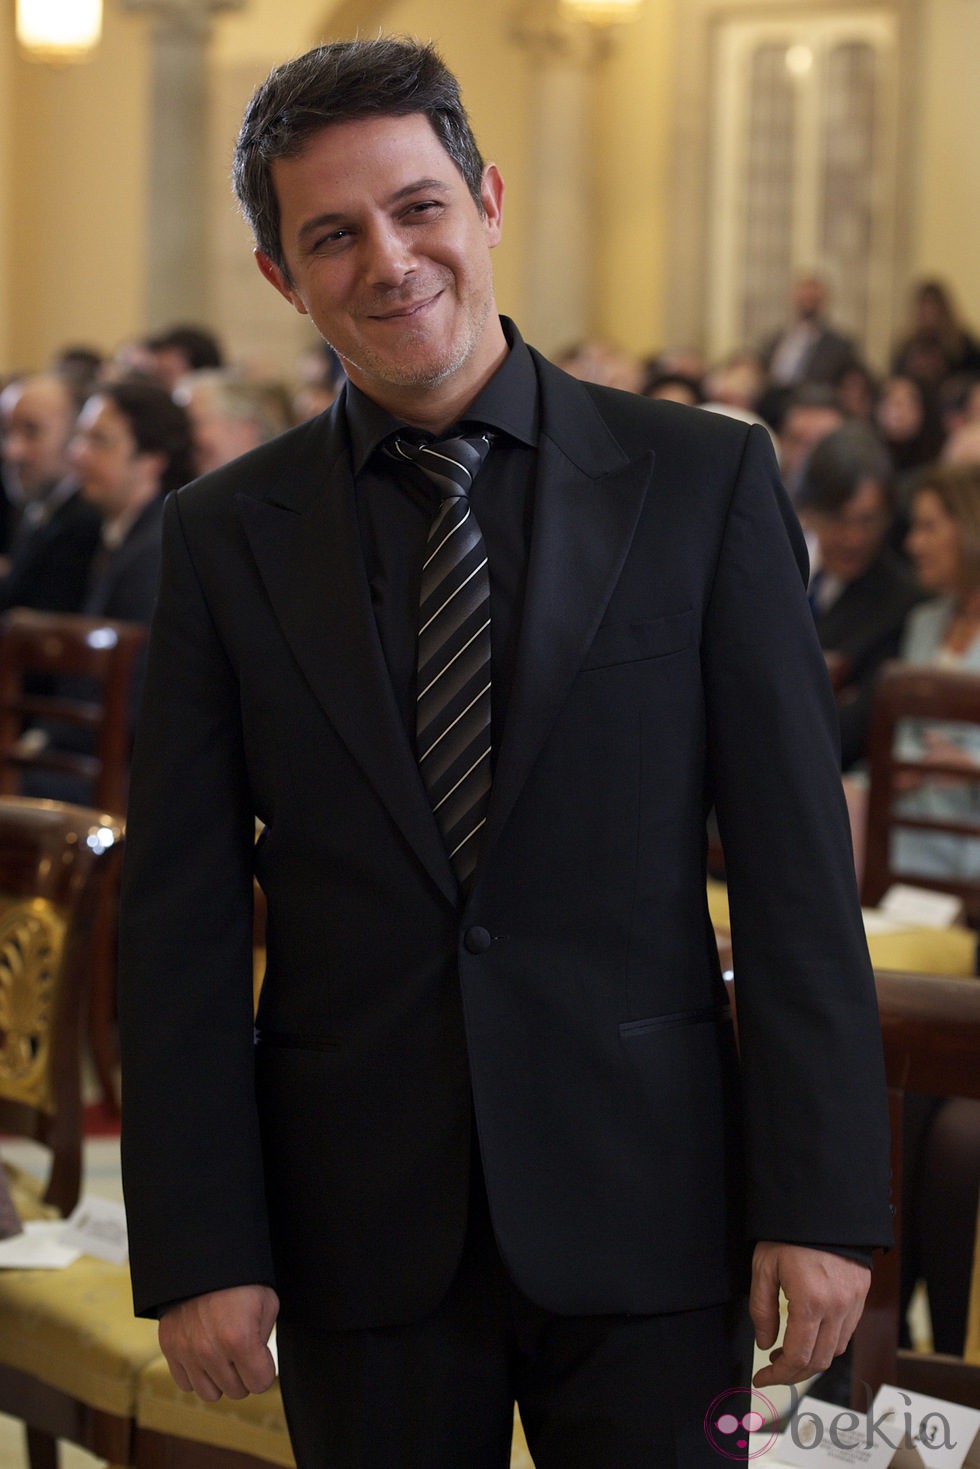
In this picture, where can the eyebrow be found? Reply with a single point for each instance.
(329, 219)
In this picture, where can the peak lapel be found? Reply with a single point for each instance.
(307, 547)
(583, 526)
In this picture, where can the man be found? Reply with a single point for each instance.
(861, 590)
(809, 415)
(58, 531)
(182, 349)
(229, 416)
(488, 1140)
(808, 349)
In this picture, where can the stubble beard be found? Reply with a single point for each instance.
(388, 369)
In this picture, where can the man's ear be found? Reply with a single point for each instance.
(492, 194)
(275, 277)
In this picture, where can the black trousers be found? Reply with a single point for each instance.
(597, 1392)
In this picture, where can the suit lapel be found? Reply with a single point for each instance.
(304, 536)
(588, 499)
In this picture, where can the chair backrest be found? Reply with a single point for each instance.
(930, 1027)
(67, 671)
(910, 692)
(55, 863)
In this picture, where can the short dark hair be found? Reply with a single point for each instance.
(343, 82)
(838, 464)
(157, 423)
(199, 346)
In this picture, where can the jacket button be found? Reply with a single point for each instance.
(477, 940)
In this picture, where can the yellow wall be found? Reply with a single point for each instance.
(633, 143)
(73, 145)
(946, 238)
(76, 197)
(6, 226)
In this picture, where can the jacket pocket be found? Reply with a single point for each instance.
(705, 1014)
(634, 642)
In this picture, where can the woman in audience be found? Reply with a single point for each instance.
(907, 417)
(943, 1135)
(937, 343)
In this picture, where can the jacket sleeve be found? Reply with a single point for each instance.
(816, 1131)
(191, 1154)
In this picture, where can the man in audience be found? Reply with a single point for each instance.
(860, 589)
(180, 350)
(808, 349)
(229, 416)
(58, 531)
(810, 413)
(488, 1135)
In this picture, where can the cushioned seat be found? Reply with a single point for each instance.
(74, 1330)
(255, 1425)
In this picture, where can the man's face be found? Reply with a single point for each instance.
(37, 419)
(851, 539)
(217, 437)
(808, 297)
(804, 426)
(390, 257)
(114, 474)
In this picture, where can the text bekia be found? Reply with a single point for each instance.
(900, 1430)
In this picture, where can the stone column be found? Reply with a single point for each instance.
(177, 255)
(561, 290)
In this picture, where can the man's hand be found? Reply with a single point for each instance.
(218, 1343)
(826, 1297)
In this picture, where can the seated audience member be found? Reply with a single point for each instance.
(963, 447)
(598, 362)
(856, 390)
(944, 544)
(736, 382)
(959, 402)
(58, 531)
(321, 376)
(943, 1135)
(180, 350)
(229, 415)
(809, 415)
(937, 344)
(860, 589)
(808, 349)
(675, 388)
(908, 420)
(82, 366)
(132, 446)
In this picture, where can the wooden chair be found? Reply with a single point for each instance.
(930, 1029)
(77, 674)
(913, 692)
(71, 671)
(56, 862)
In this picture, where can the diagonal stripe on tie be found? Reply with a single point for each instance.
(453, 689)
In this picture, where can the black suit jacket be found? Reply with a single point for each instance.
(865, 624)
(573, 1004)
(49, 566)
(827, 357)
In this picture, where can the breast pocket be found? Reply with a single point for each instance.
(634, 642)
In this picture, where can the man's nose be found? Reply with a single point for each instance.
(389, 258)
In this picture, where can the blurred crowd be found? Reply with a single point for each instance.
(91, 442)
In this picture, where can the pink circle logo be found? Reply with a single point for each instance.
(733, 1415)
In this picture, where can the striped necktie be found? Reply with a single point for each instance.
(453, 687)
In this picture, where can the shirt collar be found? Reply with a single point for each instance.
(508, 402)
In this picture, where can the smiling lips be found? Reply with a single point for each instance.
(411, 308)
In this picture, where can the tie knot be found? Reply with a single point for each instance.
(451, 464)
